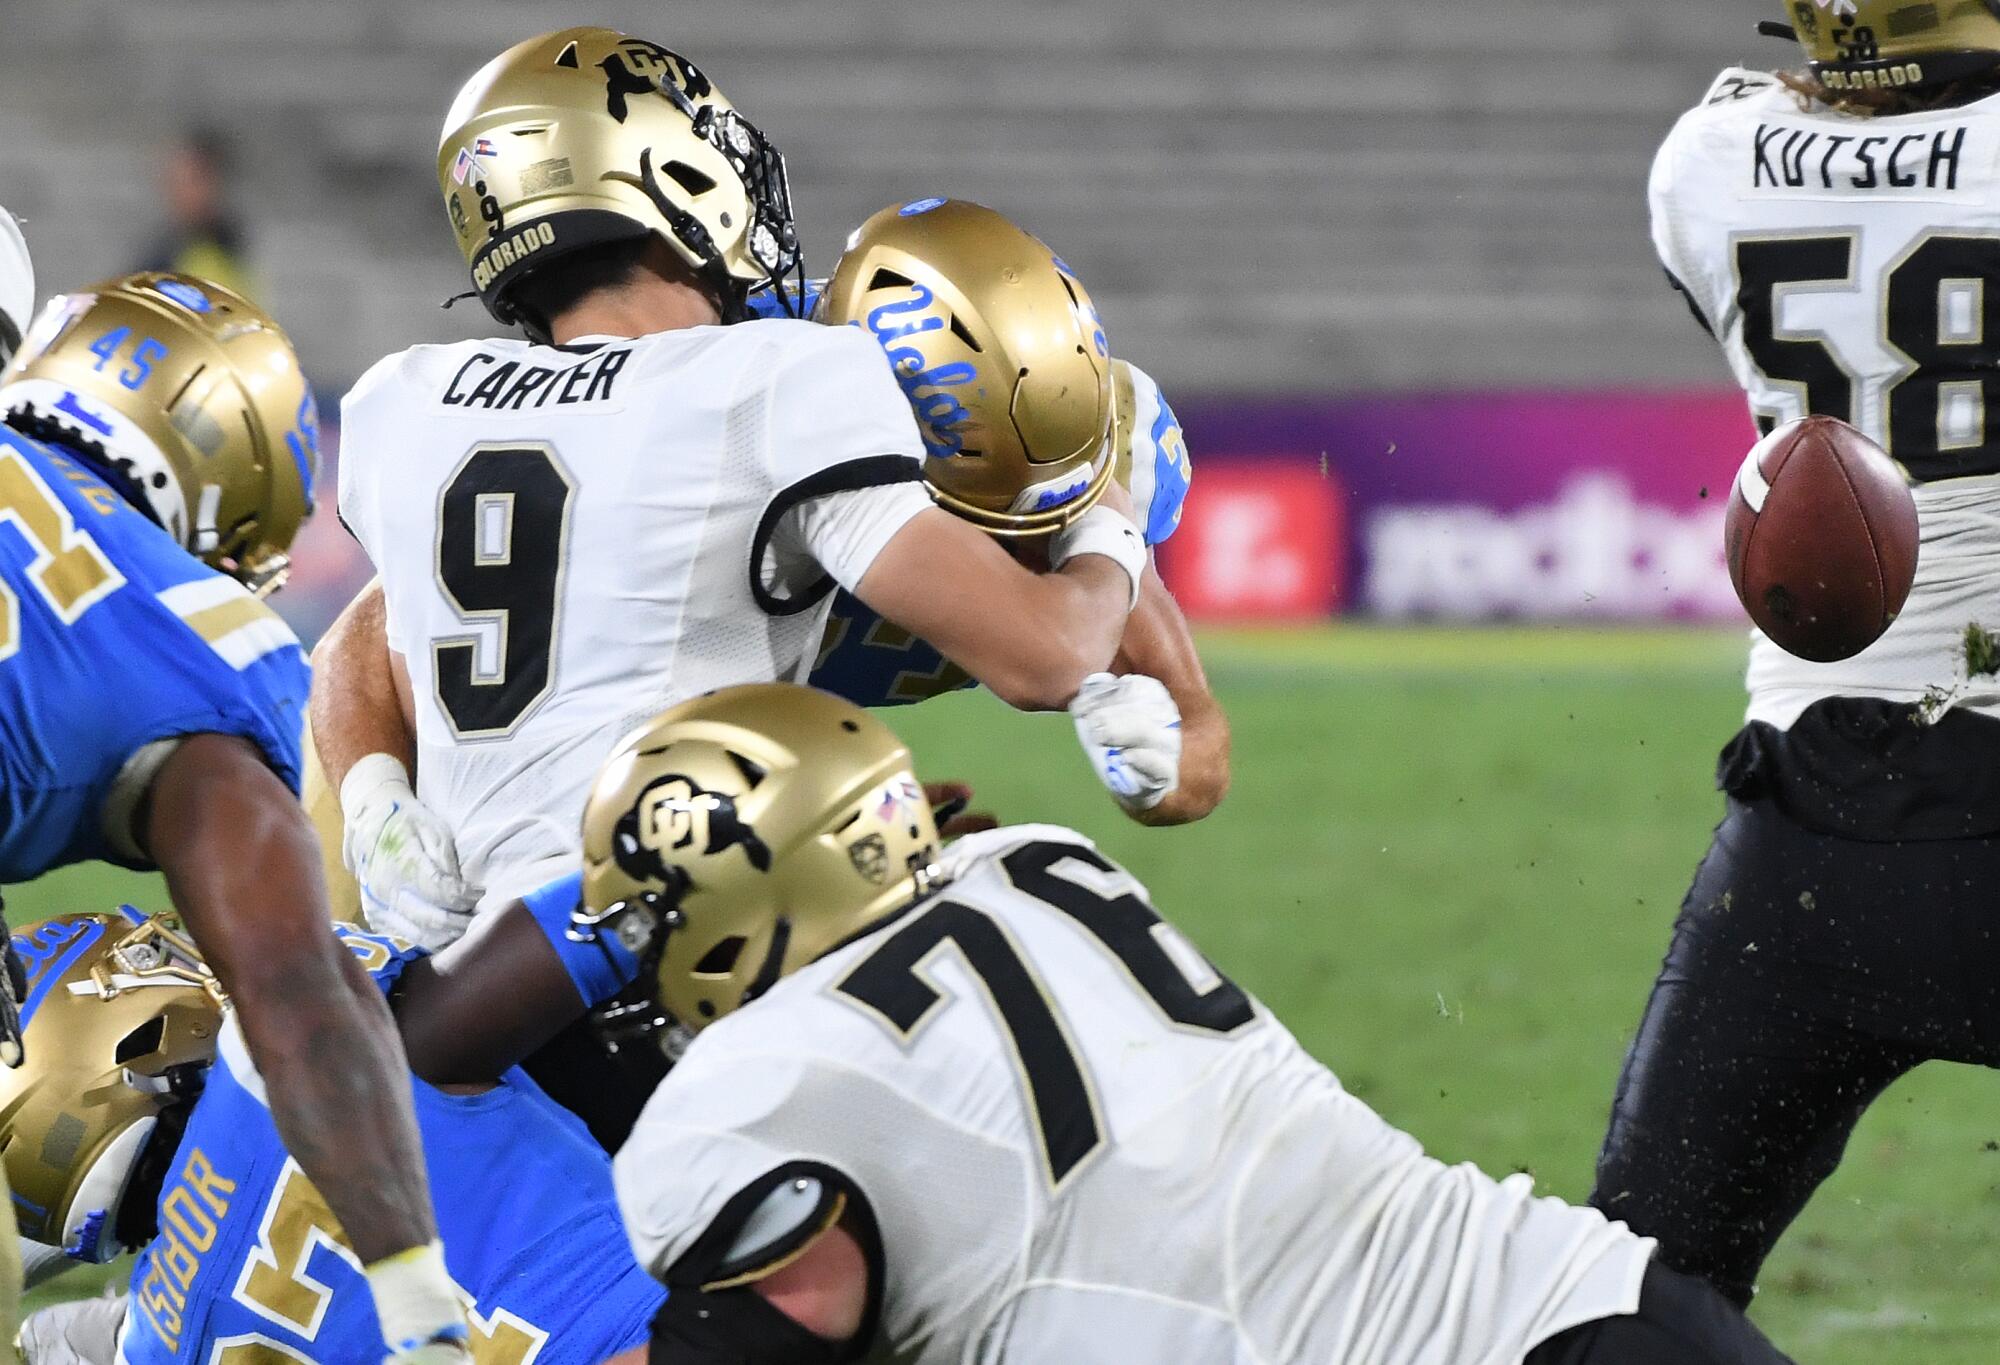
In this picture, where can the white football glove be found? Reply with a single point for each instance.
(403, 856)
(1131, 730)
(81, 1332)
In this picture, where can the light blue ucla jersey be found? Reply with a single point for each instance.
(249, 1267)
(112, 637)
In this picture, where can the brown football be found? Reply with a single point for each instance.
(1822, 539)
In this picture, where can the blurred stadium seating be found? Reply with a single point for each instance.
(1265, 196)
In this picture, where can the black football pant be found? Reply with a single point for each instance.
(1807, 972)
(1680, 1321)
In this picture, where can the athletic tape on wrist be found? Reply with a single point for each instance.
(365, 776)
(415, 1299)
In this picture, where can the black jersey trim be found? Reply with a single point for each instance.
(707, 1260)
(870, 471)
(1687, 297)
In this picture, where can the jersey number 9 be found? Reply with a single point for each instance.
(503, 539)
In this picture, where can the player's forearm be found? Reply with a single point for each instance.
(340, 1096)
(1061, 628)
(1158, 643)
(489, 1001)
(243, 869)
(357, 707)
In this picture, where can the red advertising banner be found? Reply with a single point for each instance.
(1262, 540)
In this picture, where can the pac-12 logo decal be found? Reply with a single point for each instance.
(675, 813)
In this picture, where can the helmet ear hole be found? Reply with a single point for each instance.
(889, 279)
(964, 334)
(142, 1041)
(721, 959)
(688, 178)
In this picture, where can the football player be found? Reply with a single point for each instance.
(156, 457)
(962, 301)
(140, 1115)
(635, 504)
(988, 1104)
(1024, 424)
(1837, 228)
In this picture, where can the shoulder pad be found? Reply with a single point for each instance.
(1152, 456)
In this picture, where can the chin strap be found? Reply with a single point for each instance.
(1776, 28)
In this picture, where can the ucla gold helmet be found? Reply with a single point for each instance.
(742, 834)
(189, 396)
(588, 136)
(1864, 45)
(120, 1021)
(1001, 353)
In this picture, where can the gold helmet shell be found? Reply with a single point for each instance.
(742, 834)
(587, 136)
(193, 398)
(1867, 45)
(117, 1006)
(1001, 354)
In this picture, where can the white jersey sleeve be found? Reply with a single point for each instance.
(841, 432)
(356, 493)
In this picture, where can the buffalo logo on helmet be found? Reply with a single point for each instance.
(675, 813)
(641, 68)
(870, 856)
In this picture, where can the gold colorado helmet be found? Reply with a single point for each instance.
(1001, 354)
(1864, 45)
(192, 399)
(588, 136)
(120, 1022)
(744, 833)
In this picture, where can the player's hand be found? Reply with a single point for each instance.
(1131, 730)
(403, 856)
(81, 1332)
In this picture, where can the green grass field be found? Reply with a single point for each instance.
(1450, 862)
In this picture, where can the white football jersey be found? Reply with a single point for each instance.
(572, 538)
(1080, 1143)
(1850, 268)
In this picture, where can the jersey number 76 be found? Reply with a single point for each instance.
(892, 982)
